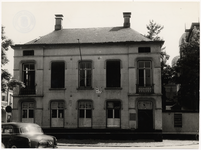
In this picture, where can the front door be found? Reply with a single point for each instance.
(57, 114)
(85, 114)
(113, 114)
(145, 116)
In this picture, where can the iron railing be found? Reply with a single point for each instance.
(145, 89)
(27, 91)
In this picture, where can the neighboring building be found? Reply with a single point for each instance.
(189, 35)
(6, 100)
(109, 78)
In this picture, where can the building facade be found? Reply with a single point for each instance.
(97, 78)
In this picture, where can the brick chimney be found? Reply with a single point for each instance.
(127, 16)
(58, 22)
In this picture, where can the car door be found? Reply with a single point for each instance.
(7, 134)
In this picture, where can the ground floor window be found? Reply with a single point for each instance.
(85, 113)
(28, 112)
(113, 113)
(57, 114)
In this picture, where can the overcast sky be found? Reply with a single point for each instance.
(174, 16)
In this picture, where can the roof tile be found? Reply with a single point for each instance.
(90, 35)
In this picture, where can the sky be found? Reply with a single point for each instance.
(175, 16)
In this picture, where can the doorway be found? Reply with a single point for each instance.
(57, 114)
(145, 116)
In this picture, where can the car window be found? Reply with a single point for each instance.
(7, 129)
(29, 129)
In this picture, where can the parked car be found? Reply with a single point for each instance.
(25, 135)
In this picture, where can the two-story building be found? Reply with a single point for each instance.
(98, 78)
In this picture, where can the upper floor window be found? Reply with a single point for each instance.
(113, 73)
(144, 50)
(29, 76)
(144, 73)
(85, 74)
(28, 52)
(57, 74)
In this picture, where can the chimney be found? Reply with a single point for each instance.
(127, 16)
(58, 22)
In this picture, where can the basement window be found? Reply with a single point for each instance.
(177, 120)
(144, 50)
(28, 53)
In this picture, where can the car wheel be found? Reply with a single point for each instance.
(13, 146)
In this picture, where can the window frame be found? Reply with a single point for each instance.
(58, 109)
(85, 87)
(24, 79)
(114, 109)
(28, 110)
(144, 68)
(85, 108)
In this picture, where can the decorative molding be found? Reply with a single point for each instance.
(28, 96)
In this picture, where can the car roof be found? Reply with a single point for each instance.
(19, 124)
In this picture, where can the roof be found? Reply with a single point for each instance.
(90, 35)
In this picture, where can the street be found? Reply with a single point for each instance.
(123, 144)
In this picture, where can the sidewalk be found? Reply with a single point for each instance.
(180, 144)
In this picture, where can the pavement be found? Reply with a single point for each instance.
(122, 144)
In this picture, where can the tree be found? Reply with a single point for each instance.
(7, 83)
(187, 69)
(153, 30)
(166, 71)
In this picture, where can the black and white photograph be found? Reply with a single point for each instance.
(100, 74)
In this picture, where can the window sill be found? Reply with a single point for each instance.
(113, 88)
(57, 89)
(85, 88)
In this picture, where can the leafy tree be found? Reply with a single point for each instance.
(6, 78)
(187, 69)
(166, 71)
